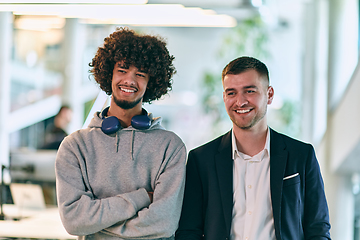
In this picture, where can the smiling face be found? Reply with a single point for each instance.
(246, 96)
(128, 85)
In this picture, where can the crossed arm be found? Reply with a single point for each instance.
(138, 213)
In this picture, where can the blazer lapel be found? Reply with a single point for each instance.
(224, 169)
(278, 160)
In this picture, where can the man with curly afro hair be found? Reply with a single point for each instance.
(123, 176)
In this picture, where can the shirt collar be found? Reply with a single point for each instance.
(236, 152)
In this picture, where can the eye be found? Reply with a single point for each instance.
(141, 75)
(121, 70)
(231, 93)
(250, 91)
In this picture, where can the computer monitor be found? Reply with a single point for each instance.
(32, 165)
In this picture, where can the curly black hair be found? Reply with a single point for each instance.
(145, 52)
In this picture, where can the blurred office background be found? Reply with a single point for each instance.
(309, 46)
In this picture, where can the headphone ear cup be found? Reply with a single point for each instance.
(141, 122)
(110, 125)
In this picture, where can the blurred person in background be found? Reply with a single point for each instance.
(54, 135)
(123, 176)
(253, 182)
(57, 131)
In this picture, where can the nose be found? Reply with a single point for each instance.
(242, 100)
(130, 79)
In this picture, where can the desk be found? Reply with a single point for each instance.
(43, 224)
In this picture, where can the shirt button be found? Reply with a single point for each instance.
(250, 212)
(249, 186)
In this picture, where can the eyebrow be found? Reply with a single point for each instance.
(250, 86)
(230, 89)
(127, 66)
(246, 87)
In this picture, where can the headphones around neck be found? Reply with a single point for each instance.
(112, 124)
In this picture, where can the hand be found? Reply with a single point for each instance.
(150, 196)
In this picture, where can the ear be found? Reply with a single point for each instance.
(270, 95)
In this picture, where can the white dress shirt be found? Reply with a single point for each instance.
(252, 211)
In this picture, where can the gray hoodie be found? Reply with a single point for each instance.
(102, 182)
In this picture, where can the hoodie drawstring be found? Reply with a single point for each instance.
(132, 144)
(117, 142)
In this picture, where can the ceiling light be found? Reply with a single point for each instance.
(174, 15)
(39, 23)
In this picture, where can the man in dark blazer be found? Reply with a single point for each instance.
(252, 183)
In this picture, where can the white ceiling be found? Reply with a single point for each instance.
(194, 13)
(207, 3)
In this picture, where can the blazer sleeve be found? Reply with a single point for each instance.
(191, 221)
(316, 213)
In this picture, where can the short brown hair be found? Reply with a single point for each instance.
(243, 64)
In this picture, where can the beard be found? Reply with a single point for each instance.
(126, 104)
(252, 122)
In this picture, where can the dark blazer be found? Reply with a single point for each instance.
(299, 206)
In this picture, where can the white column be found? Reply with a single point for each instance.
(5, 47)
(322, 65)
(315, 63)
(74, 43)
(308, 79)
(344, 24)
(338, 187)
